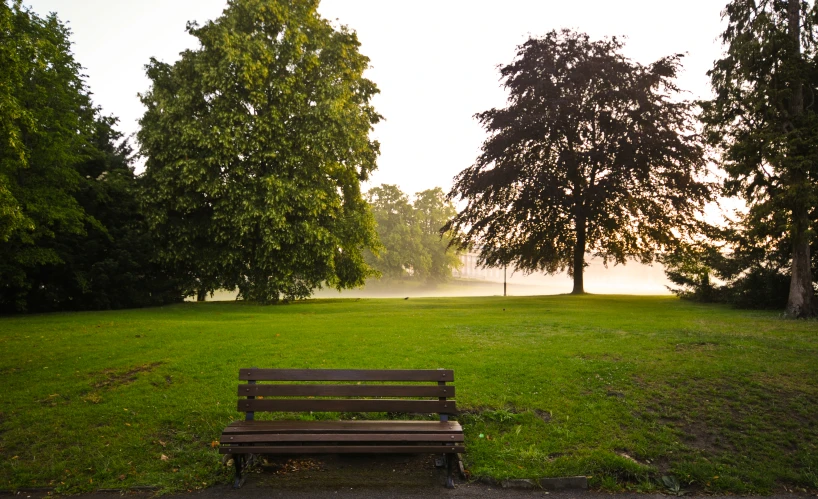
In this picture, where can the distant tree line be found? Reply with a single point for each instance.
(256, 145)
(411, 243)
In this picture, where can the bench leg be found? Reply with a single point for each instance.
(451, 463)
(238, 460)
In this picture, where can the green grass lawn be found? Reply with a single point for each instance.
(621, 389)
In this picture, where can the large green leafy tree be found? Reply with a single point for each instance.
(110, 264)
(255, 146)
(46, 121)
(71, 236)
(764, 121)
(593, 154)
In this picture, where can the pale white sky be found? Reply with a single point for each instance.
(435, 62)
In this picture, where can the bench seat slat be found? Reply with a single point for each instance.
(342, 437)
(357, 427)
(346, 390)
(346, 375)
(349, 405)
(341, 449)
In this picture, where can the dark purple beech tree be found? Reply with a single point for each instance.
(764, 121)
(594, 154)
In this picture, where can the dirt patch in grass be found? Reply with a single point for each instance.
(345, 470)
(111, 378)
(701, 436)
(53, 399)
(734, 429)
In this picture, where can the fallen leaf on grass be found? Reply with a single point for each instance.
(214, 444)
(162, 443)
(164, 457)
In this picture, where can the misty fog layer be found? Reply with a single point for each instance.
(633, 278)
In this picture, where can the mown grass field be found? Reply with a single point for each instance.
(621, 389)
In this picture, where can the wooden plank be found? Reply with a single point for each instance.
(349, 405)
(342, 449)
(346, 374)
(341, 437)
(250, 427)
(346, 391)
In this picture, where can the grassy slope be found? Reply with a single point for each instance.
(623, 389)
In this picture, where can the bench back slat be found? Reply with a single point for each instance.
(346, 391)
(446, 375)
(414, 391)
(348, 405)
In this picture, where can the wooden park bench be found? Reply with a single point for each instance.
(344, 390)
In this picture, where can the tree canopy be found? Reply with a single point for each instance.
(411, 241)
(432, 212)
(255, 146)
(593, 153)
(71, 236)
(763, 121)
(46, 120)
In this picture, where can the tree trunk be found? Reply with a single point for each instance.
(201, 295)
(800, 301)
(579, 258)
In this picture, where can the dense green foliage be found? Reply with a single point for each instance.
(432, 211)
(557, 385)
(256, 144)
(70, 233)
(594, 153)
(765, 124)
(410, 234)
(46, 122)
(746, 264)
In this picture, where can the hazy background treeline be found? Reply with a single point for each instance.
(411, 243)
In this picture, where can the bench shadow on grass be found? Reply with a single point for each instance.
(344, 471)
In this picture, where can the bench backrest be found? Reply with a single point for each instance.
(429, 393)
